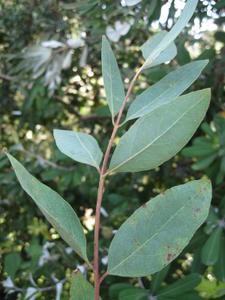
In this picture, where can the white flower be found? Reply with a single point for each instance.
(67, 60)
(75, 43)
(52, 44)
(105, 260)
(112, 34)
(45, 254)
(131, 2)
(83, 58)
(121, 28)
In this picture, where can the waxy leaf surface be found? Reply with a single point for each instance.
(56, 210)
(113, 84)
(156, 233)
(173, 33)
(158, 136)
(168, 54)
(79, 146)
(166, 90)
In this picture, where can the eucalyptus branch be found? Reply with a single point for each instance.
(101, 188)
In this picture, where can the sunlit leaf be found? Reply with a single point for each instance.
(165, 56)
(174, 32)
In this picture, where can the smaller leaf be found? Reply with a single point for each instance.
(219, 268)
(12, 263)
(80, 288)
(112, 79)
(168, 54)
(204, 163)
(174, 32)
(79, 146)
(56, 210)
(211, 249)
(180, 287)
(158, 278)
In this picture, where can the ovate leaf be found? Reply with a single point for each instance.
(81, 289)
(79, 146)
(158, 231)
(166, 90)
(158, 136)
(174, 32)
(112, 79)
(211, 249)
(164, 56)
(57, 211)
(182, 286)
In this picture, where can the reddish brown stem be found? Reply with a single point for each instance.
(98, 280)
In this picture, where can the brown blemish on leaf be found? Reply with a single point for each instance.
(144, 205)
(169, 256)
(197, 210)
(133, 222)
(137, 243)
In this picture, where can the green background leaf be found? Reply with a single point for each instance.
(211, 249)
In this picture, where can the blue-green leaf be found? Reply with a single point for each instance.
(112, 79)
(158, 136)
(164, 56)
(166, 90)
(156, 233)
(79, 146)
(56, 210)
(173, 33)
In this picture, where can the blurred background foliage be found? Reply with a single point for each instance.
(50, 77)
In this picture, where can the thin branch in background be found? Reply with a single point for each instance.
(44, 162)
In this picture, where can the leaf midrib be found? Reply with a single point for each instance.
(150, 144)
(89, 153)
(134, 252)
(147, 241)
